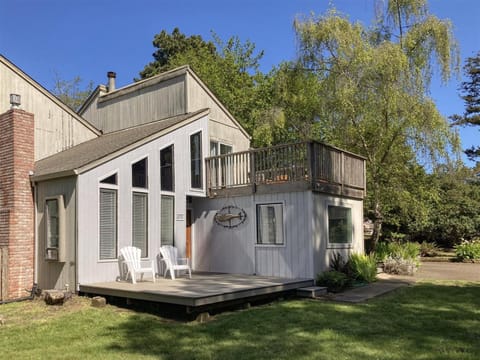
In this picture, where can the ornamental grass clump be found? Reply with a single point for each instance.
(363, 267)
(398, 258)
(334, 281)
(468, 251)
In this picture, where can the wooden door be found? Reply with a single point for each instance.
(189, 234)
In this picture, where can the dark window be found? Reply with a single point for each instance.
(167, 181)
(53, 223)
(339, 225)
(196, 160)
(140, 222)
(139, 174)
(167, 220)
(112, 180)
(108, 224)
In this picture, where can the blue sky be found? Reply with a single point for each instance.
(90, 37)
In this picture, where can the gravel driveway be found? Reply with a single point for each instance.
(448, 271)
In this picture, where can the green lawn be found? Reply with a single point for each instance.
(438, 320)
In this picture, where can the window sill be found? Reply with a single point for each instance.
(339, 246)
(270, 245)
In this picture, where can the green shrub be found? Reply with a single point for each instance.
(398, 258)
(335, 281)
(428, 249)
(363, 267)
(468, 250)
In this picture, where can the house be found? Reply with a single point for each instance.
(162, 161)
(43, 126)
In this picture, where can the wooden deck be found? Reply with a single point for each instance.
(202, 289)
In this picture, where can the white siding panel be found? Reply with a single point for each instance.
(322, 253)
(91, 269)
(235, 250)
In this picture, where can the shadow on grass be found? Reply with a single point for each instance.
(427, 321)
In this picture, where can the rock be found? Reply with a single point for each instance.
(54, 297)
(99, 301)
(202, 317)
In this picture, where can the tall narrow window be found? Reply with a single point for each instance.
(139, 174)
(339, 225)
(108, 224)
(54, 213)
(167, 181)
(196, 160)
(270, 224)
(167, 220)
(53, 228)
(140, 222)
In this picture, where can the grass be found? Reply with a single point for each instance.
(438, 320)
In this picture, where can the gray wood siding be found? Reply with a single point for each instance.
(56, 128)
(122, 109)
(295, 258)
(221, 126)
(322, 251)
(91, 269)
(235, 250)
(53, 274)
(218, 249)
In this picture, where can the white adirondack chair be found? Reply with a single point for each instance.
(172, 261)
(132, 257)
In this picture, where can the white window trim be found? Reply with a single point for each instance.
(330, 245)
(191, 190)
(140, 158)
(61, 228)
(284, 244)
(164, 146)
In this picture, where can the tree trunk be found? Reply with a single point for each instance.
(377, 226)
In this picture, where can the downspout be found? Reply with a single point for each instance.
(35, 232)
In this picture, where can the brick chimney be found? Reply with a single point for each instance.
(16, 202)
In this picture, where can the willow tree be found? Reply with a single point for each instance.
(374, 92)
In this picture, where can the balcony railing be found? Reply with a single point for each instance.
(314, 165)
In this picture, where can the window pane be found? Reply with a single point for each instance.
(196, 160)
(108, 224)
(339, 225)
(139, 222)
(166, 169)
(112, 179)
(139, 174)
(213, 148)
(167, 220)
(270, 224)
(52, 219)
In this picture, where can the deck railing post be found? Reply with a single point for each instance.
(310, 162)
(252, 171)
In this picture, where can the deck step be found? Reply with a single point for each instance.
(311, 291)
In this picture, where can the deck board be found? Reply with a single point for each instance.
(202, 289)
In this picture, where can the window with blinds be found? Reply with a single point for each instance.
(167, 220)
(108, 224)
(140, 222)
(270, 224)
(166, 169)
(196, 160)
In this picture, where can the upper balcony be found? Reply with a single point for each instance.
(284, 168)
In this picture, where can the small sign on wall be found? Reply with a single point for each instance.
(180, 217)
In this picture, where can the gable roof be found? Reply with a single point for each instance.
(102, 95)
(92, 153)
(47, 94)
